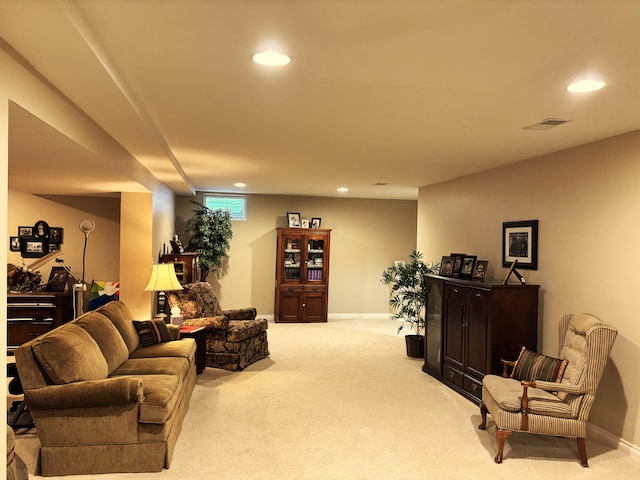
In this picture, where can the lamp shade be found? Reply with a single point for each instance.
(163, 279)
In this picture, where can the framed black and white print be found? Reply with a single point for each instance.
(316, 222)
(34, 247)
(14, 244)
(55, 234)
(293, 220)
(520, 242)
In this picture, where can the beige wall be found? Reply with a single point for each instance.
(20, 86)
(367, 236)
(587, 201)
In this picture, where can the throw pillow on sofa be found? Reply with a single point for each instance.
(152, 332)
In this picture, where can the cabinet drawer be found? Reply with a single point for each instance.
(473, 386)
(21, 332)
(291, 288)
(36, 312)
(315, 288)
(453, 375)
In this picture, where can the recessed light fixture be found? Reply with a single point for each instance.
(239, 185)
(343, 189)
(271, 58)
(584, 86)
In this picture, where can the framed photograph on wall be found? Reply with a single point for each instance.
(14, 244)
(446, 266)
(25, 231)
(520, 242)
(293, 220)
(55, 234)
(33, 247)
(58, 279)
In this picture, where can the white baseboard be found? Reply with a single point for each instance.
(611, 440)
(346, 316)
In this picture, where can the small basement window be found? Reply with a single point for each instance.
(236, 204)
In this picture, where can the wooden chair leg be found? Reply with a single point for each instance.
(582, 451)
(501, 436)
(483, 412)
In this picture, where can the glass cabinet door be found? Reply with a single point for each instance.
(291, 258)
(315, 259)
(433, 355)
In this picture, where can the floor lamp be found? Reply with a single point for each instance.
(163, 279)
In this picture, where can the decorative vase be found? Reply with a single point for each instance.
(415, 345)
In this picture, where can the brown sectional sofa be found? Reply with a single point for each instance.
(102, 403)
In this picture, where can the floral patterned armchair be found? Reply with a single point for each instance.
(235, 338)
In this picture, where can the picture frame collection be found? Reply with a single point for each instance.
(36, 241)
(462, 265)
(294, 221)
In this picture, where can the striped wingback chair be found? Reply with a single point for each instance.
(551, 396)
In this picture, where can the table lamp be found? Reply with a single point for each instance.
(163, 279)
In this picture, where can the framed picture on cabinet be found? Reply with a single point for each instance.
(457, 262)
(305, 223)
(316, 222)
(293, 220)
(520, 242)
(480, 270)
(468, 262)
(446, 266)
(58, 279)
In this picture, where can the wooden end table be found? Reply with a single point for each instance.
(200, 336)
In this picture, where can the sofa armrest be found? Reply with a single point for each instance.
(210, 323)
(241, 314)
(90, 393)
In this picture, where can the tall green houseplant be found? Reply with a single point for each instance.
(210, 234)
(408, 296)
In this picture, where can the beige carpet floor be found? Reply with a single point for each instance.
(342, 401)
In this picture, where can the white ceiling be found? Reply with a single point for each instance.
(406, 93)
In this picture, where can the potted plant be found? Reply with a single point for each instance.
(210, 234)
(408, 297)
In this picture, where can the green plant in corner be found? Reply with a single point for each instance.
(210, 234)
(408, 292)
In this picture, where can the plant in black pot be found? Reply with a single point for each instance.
(408, 296)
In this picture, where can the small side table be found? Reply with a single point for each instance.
(200, 336)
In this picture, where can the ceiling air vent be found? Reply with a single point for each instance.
(546, 124)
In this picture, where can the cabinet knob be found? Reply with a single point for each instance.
(304, 304)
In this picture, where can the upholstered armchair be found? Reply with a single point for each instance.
(551, 396)
(235, 338)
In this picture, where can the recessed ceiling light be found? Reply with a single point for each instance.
(239, 184)
(586, 86)
(271, 58)
(343, 189)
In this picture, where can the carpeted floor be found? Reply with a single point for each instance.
(341, 400)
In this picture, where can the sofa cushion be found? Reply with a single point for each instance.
(161, 393)
(151, 332)
(507, 393)
(535, 366)
(121, 317)
(185, 348)
(69, 354)
(107, 336)
(176, 366)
